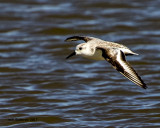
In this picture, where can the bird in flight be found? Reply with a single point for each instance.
(114, 53)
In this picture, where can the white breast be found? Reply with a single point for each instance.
(96, 56)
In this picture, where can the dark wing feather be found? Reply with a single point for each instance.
(117, 58)
(75, 38)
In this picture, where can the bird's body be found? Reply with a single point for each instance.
(114, 53)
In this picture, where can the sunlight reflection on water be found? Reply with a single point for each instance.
(37, 81)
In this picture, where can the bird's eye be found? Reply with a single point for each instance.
(80, 48)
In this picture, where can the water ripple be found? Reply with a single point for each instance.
(39, 87)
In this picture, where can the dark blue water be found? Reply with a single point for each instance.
(39, 88)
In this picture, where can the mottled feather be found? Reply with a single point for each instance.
(114, 53)
(117, 58)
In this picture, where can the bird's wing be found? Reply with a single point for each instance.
(75, 38)
(117, 58)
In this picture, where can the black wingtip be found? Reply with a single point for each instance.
(144, 86)
(75, 38)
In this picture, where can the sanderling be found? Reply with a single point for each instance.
(114, 53)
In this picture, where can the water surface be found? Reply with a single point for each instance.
(39, 88)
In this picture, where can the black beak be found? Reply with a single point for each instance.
(72, 54)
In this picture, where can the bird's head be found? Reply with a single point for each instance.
(80, 50)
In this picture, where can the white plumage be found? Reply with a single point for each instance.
(114, 53)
